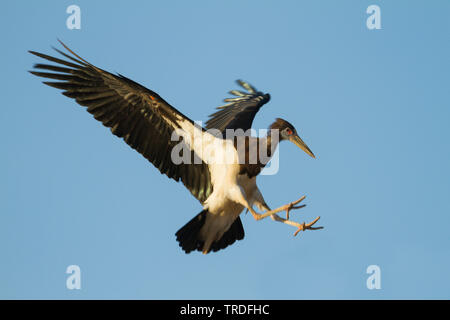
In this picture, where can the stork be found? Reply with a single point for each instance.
(154, 128)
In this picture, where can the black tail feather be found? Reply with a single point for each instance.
(188, 235)
(236, 232)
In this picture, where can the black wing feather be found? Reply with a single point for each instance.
(138, 115)
(240, 111)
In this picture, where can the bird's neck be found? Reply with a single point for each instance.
(264, 149)
(271, 142)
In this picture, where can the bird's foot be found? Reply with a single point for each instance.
(287, 207)
(290, 206)
(307, 226)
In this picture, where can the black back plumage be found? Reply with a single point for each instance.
(140, 116)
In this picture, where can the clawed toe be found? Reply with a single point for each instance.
(292, 206)
(309, 226)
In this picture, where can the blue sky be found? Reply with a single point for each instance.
(373, 105)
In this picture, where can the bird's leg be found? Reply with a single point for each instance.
(286, 207)
(273, 213)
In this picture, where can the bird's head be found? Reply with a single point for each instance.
(287, 131)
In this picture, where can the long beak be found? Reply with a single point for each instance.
(302, 145)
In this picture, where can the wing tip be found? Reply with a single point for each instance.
(247, 86)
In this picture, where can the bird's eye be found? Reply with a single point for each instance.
(288, 131)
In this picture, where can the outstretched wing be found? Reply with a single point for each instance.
(240, 111)
(138, 115)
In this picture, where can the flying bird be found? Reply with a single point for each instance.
(163, 135)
